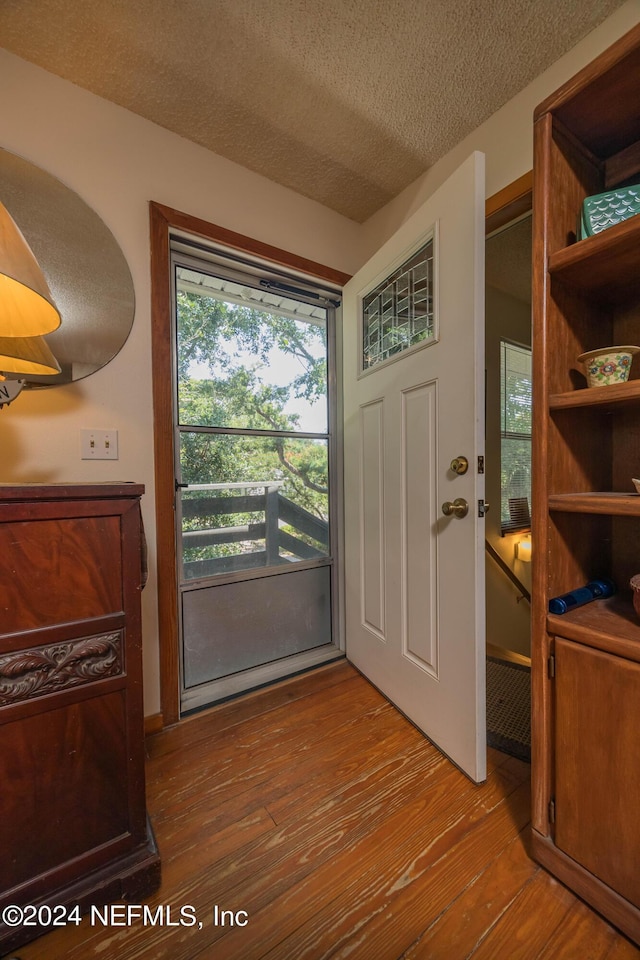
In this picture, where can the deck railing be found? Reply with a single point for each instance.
(280, 527)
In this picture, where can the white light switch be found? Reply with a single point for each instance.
(99, 444)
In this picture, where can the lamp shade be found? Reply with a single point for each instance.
(26, 305)
(27, 355)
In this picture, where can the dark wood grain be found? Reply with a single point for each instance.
(508, 204)
(606, 265)
(241, 243)
(623, 166)
(73, 826)
(611, 625)
(599, 104)
(343, 832)
(166, 557)
(65, 799)
(585, 518)
(611, 504)
(611, 395)
(64, 569)
(598, 760)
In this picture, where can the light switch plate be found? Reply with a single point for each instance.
(99, 444)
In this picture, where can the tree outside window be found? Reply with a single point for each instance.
(515, 433)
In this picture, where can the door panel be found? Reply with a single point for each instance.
(253, 622)
(419, 517)
(371, 492)
(597, 759)
(413, 401)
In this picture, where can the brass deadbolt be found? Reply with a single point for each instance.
(459, 465)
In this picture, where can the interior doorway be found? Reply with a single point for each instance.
(508, 531)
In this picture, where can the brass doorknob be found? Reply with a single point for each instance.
(459, 465)
(459, 508)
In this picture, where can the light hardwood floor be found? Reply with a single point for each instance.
(317, 813)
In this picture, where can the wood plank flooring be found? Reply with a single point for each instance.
(325, 825)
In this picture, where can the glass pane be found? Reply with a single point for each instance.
(516, 386)
(516, 482)
(515, 456)
(398, 313)
(248, 358)
(252, 502)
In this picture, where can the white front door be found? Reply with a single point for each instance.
(413, 403)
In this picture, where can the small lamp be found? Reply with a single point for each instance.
(523, 550)
(27, 355)
(27, 308)
(23, 355)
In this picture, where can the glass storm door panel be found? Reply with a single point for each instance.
(254, 452)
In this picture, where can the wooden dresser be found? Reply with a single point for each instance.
(73, 828)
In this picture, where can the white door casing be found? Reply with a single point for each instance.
(414, 578)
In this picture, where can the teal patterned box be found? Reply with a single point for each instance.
(606, 209)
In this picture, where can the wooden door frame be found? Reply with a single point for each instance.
(506, 205)
(163, 220)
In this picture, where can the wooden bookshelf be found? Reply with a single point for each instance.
(586, 517)
(605, 265)
(604, 398)
(607, 504)
(611, 625)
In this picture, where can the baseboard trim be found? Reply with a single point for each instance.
(618, 911)
(509, 656)
(153, 724)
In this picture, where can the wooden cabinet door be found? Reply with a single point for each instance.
(597, 764)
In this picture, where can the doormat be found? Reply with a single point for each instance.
(509, 708)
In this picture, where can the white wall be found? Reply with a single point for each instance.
(117, 163)
(506, 137)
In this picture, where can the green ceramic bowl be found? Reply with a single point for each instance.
(604, 210)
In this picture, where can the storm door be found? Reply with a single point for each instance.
(255, 495)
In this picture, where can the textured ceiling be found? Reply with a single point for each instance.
(344, 101)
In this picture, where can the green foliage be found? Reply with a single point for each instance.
(223, 353)
(515, 425)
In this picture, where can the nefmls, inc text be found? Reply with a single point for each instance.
(127, 914)
(163, 915)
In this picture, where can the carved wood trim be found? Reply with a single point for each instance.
(25, 674)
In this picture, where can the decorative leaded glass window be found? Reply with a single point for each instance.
(398, 313)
